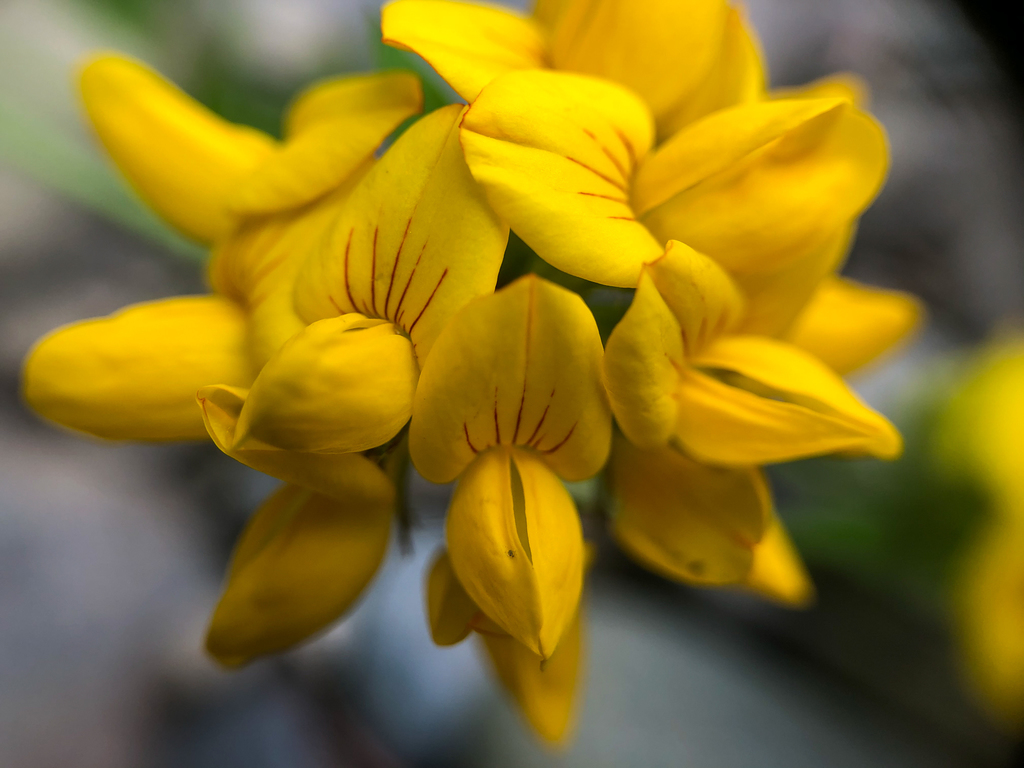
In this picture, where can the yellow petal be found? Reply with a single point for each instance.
(341, 385)
(332, 131)
(329, 474)
(415, 241)
(751, 400)
(449, 609)
(778, 573)
(662, 49)
(736, 77)
(981, 427)
(547, 12)
(775, 299)
(556, 153)
(134, 375)
(758, 187)
(518, 367)
(545, 690)
(685, 520)
(847, 325)
(469, 45)
(683, 301)
(844, 85)
(180, 157)
(991, 620)
(300, 563)
(516, 546)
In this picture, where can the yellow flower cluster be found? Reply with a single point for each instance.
(629, 143)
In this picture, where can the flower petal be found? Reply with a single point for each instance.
(516, 546)
(547, 12)
(750, 400)
(133, 375)
(775, 299)
(847, 325)
(200, 158)
(332, 131)
(469, 45)
(736, 77)
(449, 609)
(757, 187)
(778, 573)
(683, 301)
(662, 49)
(556, 154)
(341, 385)
(685, 520)
(545, 691)
(300, 563)
(518, 367)
(415, 241)
(329, 474)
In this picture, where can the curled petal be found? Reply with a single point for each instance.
(469, 45)
(200, 157)
(518, 367)
(341, 385)
(449, 609)
(329, 474)
(332, 131)
(847, 325)
(778, 573)
(516, 546)
(662, 49)
(750, 400)
(415, 241)
(556, 153)
(757, 187)
(685, 520)
(545, 690)
(134, 375)
(299, 564)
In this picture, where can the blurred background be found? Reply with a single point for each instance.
(111, 556)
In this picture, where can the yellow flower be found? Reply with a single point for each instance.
(685, 58)
(545, 690)
(566, 159)
(980, 439)
(677, 373)
(510, 401)
(247, 350)
(684, 386)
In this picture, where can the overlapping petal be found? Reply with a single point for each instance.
(749, 400)
(686, 520)
(468, 44)
(134, 375)
(300, 563)
(520, 367)
(759, 186)
(341, 385)
(200, 158)
(415, 241)
(683, 301)
(450, 610)
(328, 474)
(661, 49)
(777, 572)
(847, 325)
(516, 546)
(331, 131)
(545, 689)
(556, 153)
